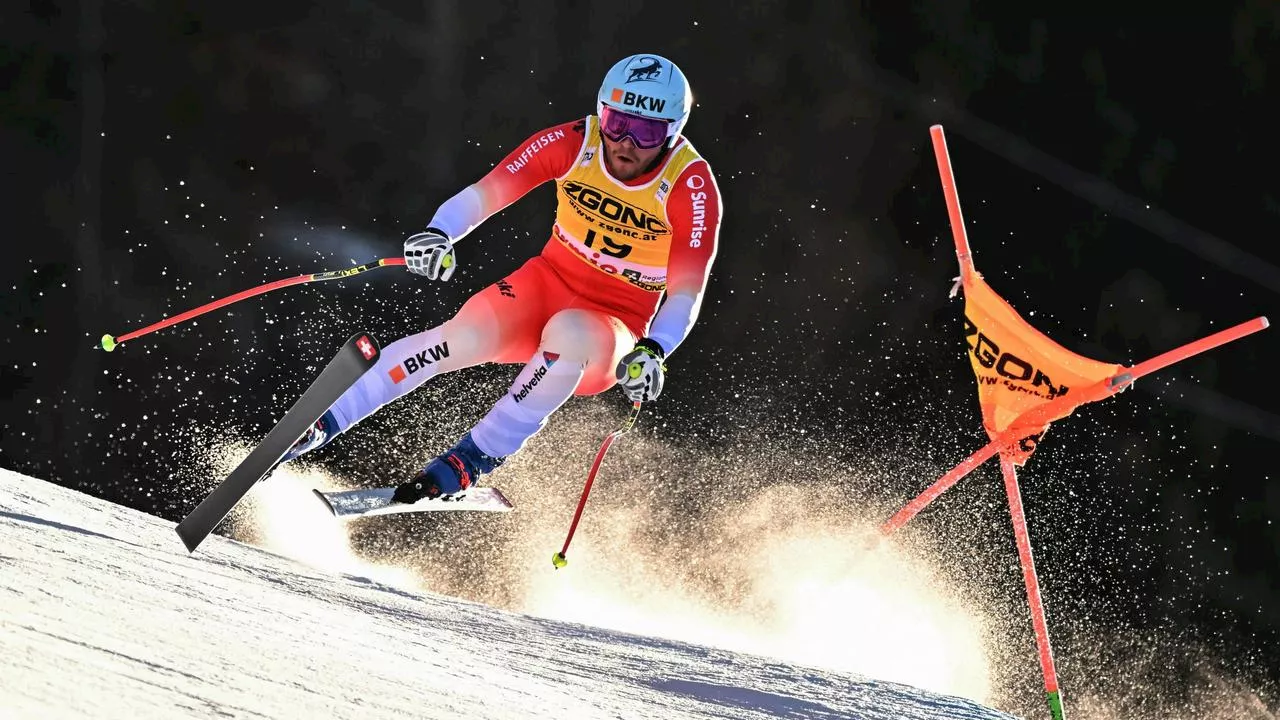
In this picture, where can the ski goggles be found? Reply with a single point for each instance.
(646, 133)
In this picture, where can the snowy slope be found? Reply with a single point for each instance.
(103, 614)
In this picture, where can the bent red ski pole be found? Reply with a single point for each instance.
(559, 559)
(109, 342)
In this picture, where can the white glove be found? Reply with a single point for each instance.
(640, 372)
(430, 254)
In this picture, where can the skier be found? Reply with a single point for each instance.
(638, 214)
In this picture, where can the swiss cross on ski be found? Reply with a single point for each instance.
(366, 347)
(638, 101)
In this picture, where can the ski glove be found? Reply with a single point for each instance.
(640, 372)
(430, 254)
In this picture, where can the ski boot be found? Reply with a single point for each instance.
(451, 472)
(324, 430)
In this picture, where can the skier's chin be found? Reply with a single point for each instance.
(624, 167)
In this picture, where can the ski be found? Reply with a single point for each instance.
(356, 356)
(348, 504)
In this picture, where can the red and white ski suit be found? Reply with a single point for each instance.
(571, 312)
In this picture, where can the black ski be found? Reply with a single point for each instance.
(356, 356)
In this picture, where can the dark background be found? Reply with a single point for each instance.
(1116, 169)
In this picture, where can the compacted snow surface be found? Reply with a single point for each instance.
(103, 614)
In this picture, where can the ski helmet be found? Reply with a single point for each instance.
(649, 86)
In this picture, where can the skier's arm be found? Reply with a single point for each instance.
(694, 213)
(544, 156)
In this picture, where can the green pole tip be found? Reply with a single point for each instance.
(108, 343)
(559, 560)
(1055, 705)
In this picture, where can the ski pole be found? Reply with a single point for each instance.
(559, 559)
(109, 342)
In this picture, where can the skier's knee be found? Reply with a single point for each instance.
(471, 344)
(572, 333)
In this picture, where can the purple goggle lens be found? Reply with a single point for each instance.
(645, 132)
